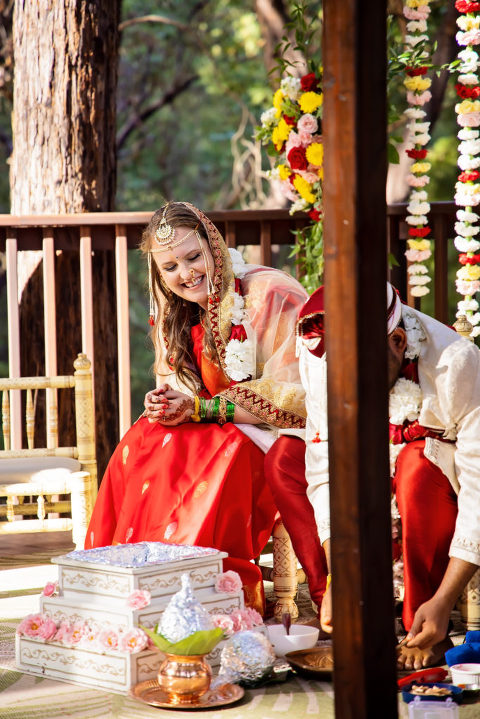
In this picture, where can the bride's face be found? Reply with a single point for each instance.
(183, 268)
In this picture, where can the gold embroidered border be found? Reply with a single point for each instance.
(263, 408)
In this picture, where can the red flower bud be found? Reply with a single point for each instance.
(467, 6)
(417, 154)
(465, 92)
(414, 71)
(289, 120)
(238, 333)
(469, 176)
(151, 321)
(297, 158)
(315, 215)
(309, 82)
(419, 231)
(464, 259)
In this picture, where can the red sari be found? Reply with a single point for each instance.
(197, 484)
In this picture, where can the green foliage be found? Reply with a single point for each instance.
(198, 643)
(308, 251)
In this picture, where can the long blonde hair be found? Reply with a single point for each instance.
(175, 316)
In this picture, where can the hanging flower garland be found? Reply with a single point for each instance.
(467, 188)
(417, 85)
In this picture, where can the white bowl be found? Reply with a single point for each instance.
(300, 637)
(465, 673)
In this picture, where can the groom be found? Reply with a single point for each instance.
(434, 378)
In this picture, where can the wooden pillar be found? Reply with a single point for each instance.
(354, 59)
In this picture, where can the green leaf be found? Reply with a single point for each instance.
(392, 261)
(201, 642)
(392, 154)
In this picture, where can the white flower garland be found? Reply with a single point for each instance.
(406, 397)
(467, 193)
(417, 85)
(239, 354)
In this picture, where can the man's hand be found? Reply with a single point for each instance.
(430, 624)
(326, 612)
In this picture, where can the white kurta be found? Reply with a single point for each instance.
(449, 376)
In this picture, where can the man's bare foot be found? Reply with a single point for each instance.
(415, 658)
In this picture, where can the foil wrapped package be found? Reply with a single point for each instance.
(184, 615)
(140, 554)
(247, 657)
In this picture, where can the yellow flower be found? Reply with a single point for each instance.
(310, 101)
(284, 172)
(417, 3)
(469, 272)
(277, 102)
(419, 244)
(280, 134)
(314, 153)
(472, 23)
(468, 106)
(417, 83)
(420, 167)
(304, 189)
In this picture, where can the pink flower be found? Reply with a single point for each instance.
(417, 255)
(467, 287)
(90, 639)
(420, 13)
(307, 123)
(50, 588)
(79, 629)
(31, 625)
(471, 37)
(48, 629)
(469, 119)
(108, 638)
(310, 177)
(133, 641)
(139, 599)
(225, 622)
(418, 181)
(305, 138)
(421, 99)
(64, 633)
(228, 582)
(254, 617)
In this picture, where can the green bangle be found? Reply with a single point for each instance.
(214, 408)
(203, 409)
(230, 411)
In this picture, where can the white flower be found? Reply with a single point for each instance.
(238, 314)
(418, 208)
(475, 332)
(474, 319)
(470, 60)
(394, 451)
(414, 330)
(419, 279)
(465, 216)
(417, 26)
(466, 134)
(416, 219)
(470, 78)
(291, 86)
(414, 40)
(465, 162)
(469, 147)
(463, 245)
(239, 359)
(422, 139)
(468, 22)
(298, 206)
(418, 127)
(466, 230)
(268, 118)
(405, 401)
(238, 263)
(467, 305)
(463, 198)
(419, 291)
(417, 269)
(414, 113)
(418, 195)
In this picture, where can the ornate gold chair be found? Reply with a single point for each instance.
(47, 472)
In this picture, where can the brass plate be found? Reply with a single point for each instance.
(312, 663)
(150, 693)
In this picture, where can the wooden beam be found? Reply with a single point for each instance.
(354, 58)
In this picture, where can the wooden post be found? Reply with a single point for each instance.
(355, 295)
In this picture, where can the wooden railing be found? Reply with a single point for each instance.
(120, 232)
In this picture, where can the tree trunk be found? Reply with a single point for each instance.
(63, 161)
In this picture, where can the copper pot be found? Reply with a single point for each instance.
(184, 679)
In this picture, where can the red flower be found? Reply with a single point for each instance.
(419, 231)
(289, 120)
(467, 6)
(469, 176)
(417, 154)
(467, 92)
(395, 433)
(315, 215)
(297, 158)
(464, 259)
(238, 333)
(414, 71)
(309, 82)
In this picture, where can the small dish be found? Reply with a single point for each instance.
(301, 636)
(150, 693)
(316, 663)
(465, 673)
(454, 692)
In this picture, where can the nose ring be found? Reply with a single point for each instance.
(192, 272)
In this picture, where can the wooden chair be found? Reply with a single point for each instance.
(284, 574)
(49, 471)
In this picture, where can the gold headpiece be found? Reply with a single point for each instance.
(165, 235)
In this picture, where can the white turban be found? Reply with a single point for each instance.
(394, 308)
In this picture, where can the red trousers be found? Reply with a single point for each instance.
(285, 473)
(427, 505)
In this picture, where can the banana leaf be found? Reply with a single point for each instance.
(201, 642)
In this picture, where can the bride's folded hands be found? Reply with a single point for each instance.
(168, 406)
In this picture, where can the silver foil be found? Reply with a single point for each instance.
(140, 554)
(246, 657)
(184, 614)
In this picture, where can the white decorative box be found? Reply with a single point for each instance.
(95, 593)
